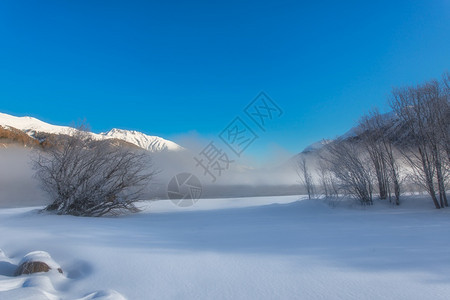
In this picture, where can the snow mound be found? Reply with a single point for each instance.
(45, 286)
(40, 256)
(39, 287)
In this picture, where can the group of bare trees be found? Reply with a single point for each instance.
(86, 177)
(412, 143)
(350, 168)
(424, 113)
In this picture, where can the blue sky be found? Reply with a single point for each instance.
(180, 68)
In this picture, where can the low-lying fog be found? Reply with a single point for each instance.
(19, 187)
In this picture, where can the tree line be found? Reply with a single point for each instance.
(411, 144)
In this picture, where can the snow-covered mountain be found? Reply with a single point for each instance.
(32, 127)
(148, 142)
(387, 119)
(316, 146)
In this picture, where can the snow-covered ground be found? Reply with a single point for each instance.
(253, 248)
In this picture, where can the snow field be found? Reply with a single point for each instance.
(246, 248)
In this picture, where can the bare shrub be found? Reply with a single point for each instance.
(86, 177)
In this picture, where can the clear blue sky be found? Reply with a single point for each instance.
(172, 67)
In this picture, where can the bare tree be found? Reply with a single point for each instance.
(436, 108)
(419, 110)
(444, 120)
(350, 167)
(305, 176)
(330, 188)
(323, 172)
(378, 140)
(442, 109)
(371, 134)
(86, 177)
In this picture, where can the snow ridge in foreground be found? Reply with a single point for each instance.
(40, 286)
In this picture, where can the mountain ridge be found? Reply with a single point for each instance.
(34, 128)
